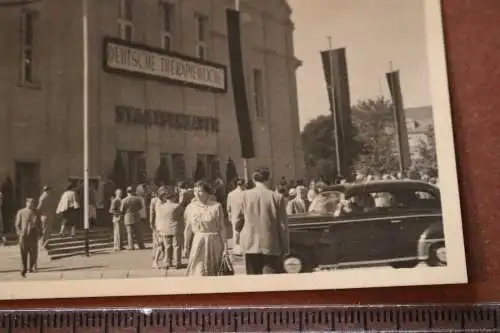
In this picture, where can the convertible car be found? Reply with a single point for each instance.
(392, 222)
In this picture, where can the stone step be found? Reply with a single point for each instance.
(75, 246)
(64, 241)
(81, 252)
(70, 246)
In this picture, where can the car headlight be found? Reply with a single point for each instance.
(292, 265)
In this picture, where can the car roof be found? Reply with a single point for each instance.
(384, 185)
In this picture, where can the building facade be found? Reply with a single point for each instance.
(160, 90)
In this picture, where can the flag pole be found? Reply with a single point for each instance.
(85, 124)
(334, 111)
(245, 161)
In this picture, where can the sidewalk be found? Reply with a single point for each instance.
(115, 265)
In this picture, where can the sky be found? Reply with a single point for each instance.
(377, 34)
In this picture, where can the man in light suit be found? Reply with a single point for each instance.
(264, 233)
(131, 211)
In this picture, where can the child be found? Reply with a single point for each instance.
(158, 251)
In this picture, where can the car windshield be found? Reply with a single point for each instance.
(326, 202)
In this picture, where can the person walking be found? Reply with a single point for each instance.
(117, 219)
(158, 249)
(234, 201)
(169, 226)
(28, 231)
(264, 237)
(43, 213)
(204, 233)
(131, 209)
(68, 209)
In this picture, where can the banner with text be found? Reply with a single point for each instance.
(124, 57)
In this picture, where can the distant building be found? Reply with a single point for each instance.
(418, 120)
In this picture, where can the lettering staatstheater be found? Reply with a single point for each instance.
(160, 90)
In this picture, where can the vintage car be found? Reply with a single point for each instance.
(396, 223)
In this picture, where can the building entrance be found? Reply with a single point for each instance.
(27, 184)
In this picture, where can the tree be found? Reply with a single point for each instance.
(319, 148)
(374, 121)
(427, 158)
(373, 146)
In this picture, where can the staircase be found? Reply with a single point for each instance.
(100, 241)
(10, 239)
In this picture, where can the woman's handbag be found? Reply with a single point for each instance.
(226, 266)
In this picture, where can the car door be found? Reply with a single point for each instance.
(360, 237)
(414, 218)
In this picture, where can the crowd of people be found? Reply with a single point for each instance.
(196, 222)
(192, 221)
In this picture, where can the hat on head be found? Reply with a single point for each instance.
(130, 189)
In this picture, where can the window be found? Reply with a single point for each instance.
(163, 175)
(406, 200)
(126, 10)
(213, 167)
(126, 28)
(28, 21)
(135, 167)
(201, 36)
(257, 93)
(166, 34)
(178, 167)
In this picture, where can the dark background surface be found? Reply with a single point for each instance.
(472, 32)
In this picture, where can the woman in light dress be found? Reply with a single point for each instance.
(204, 234)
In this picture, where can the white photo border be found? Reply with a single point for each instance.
(454, 273)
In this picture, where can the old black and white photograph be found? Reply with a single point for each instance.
(213, 146)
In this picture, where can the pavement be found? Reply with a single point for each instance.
(104, 265)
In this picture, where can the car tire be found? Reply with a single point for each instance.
(297, 263)
(405, 264)
(437, 255)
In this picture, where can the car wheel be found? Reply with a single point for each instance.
(405, 264)
(437, 255)
(297, 263)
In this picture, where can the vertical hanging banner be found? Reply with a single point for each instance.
(399, 120)
(335, 69)
(238, 82)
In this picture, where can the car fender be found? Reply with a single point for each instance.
(432, 235)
